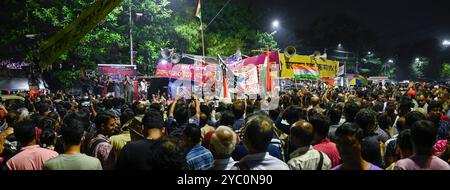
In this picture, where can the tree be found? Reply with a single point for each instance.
(419, 66)
(234, 29)
(372, 65)
(267, 40)
(445, 73)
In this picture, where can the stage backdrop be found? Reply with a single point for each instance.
(118, 73)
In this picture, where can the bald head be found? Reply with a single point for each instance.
(302, 133)
(223, 142)
(315, 100)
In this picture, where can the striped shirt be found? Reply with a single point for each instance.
(199, 158)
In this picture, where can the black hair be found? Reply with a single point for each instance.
(406, 104)
(378, 106)
(48, 137)
(116, 102)
(321, 124)
(48, 124)
(72, 132)
(153, 119)
(80, 116)
(238, 109)
(404, 140)
(423, 134)
(42, 108)
(206, 110)
(167, 154)
(351, 108)
(193, 133)
(103, 118)
(292, 114)
(181, 115)
(250, 108)
(259, 131)
(366, 118)
(335, 115)
(108, 104)
(413, 117)
(24, 131)
(350, 129)
(154, 106)
(434, 105)
(126, 116)
(53, 115)
(227, 118)
(12, 118)
(384, 121)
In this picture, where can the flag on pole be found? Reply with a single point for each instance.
(305, 72)
(268, 78)
(199, 10)
(225, 85)
(341, 70)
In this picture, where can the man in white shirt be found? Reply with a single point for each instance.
(143, 89)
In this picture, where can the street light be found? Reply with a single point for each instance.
(275, 24)
(390, 61)
(446, 43)
(417, 59)
(131, 34)
(340, 46)
(30, 36)
(369, 53)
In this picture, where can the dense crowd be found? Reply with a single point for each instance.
(371, 127)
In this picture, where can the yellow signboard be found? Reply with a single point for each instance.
(327, 68)
(73, 33)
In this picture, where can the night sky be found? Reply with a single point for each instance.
(393, 21)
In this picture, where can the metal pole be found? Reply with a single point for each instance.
(203, 40)
(131, 35)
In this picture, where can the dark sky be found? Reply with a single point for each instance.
(393, 21)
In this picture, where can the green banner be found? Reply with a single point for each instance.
(65, 39)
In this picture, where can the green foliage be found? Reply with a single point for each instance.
(68, 77)
(373, 64)
(267, 40)
(163, 24)
(445, 73)
(419, 66)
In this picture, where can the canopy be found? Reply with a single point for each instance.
(13, 84)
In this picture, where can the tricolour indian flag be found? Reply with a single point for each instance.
(305, 72)
(198, 13)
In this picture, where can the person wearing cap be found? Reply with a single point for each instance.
(136, 155)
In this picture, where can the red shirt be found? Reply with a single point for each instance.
(329, 148)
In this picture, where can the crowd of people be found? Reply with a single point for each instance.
(371, 127)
